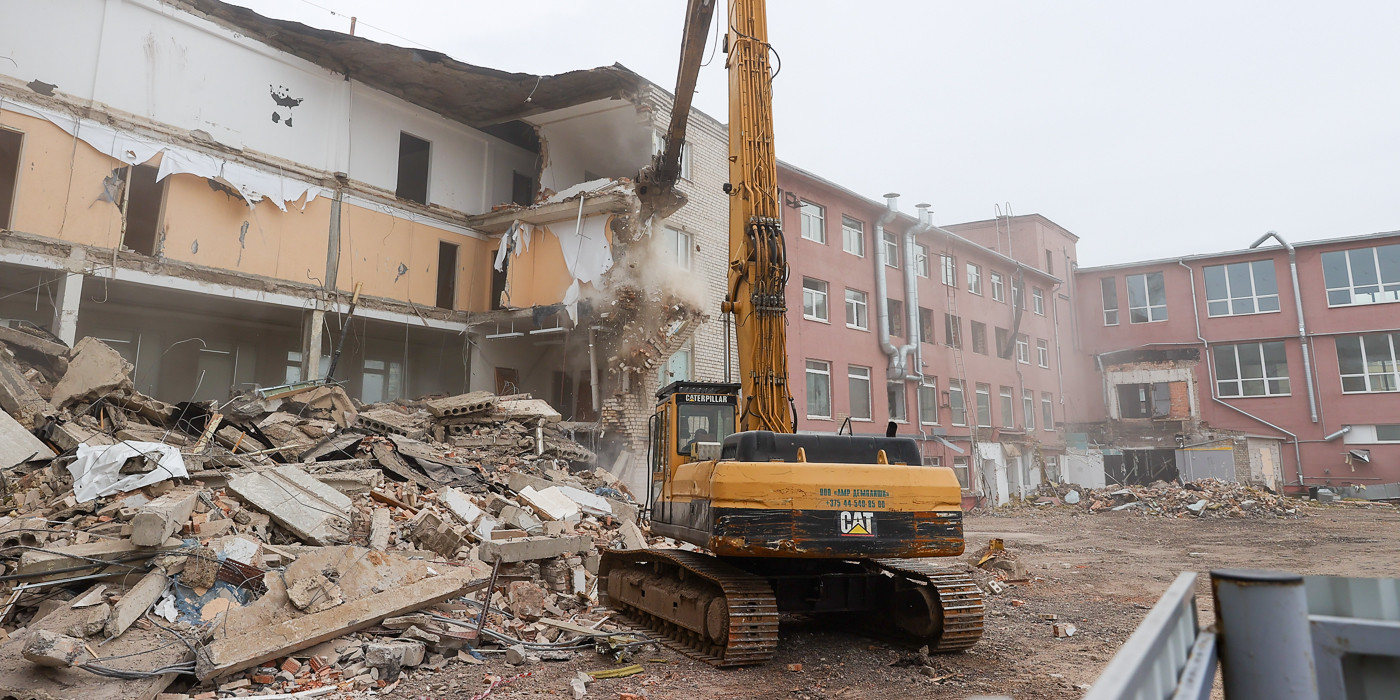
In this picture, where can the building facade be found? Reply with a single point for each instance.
(1273, 364)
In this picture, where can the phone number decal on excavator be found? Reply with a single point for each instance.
(855, 498)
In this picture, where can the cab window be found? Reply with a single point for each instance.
(702, 423)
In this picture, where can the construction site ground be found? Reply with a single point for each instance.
(1100, 572)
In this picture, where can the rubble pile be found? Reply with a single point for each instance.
(1205, 498)
(288, 541)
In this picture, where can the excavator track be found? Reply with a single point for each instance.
(699, 605)
(955, 610)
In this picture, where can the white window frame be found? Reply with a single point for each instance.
(818, 368)
(1366, 375)
(955, 387)
(679, 244)
(1387, 286)
(859, 307)
(948, 270)
(1028, 408)
(898, 389)
(853, 236)
(929, 385)
(1047, 411)
(1042, 352)
(813, 221)
(1008, 407)
(1227, 305)
(658, 146)
(1150, 308)
(974, 278)
(857, 373)
(962, 471)
(983, 394)
(1038, 301)
(998, 286)
(1110, 315)
(921, 250)
(1023, 349)
(891, 243)
(1234, 388)
(816, 299)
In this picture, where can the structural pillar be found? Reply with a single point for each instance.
(68, 295)
(312, 323)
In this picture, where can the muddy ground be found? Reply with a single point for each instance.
(1099, 572)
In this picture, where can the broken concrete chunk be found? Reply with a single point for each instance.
(462, 405)
(18, 397)
(532, 548)
(46, 648)
(435, 534)
(201, 569)
(95, 369)
(551, 504)
(460, 505)
(381, 527)
(314, 594)
(632, 537)
(17, 445)
(389, 657)
(310, 509)
(136, 602)
(93, 621)
(156, 521)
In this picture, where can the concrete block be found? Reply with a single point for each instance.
(437, 535)
(520, 519)
(201, 568)
(462, 405)
(353, 482)
(18, 445)
(136, 601)
(389, 657)
(46, 648)
(93, 621)
(34, 562)
(632, 537)
(380, 528)
(459, 505)
(17, 396)
(95, 369)
(551, 504)
(533, 548)
(156, 521)
(310, 509)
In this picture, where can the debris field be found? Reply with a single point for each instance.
(290, 542)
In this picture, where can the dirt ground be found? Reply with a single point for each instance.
(1101, 572)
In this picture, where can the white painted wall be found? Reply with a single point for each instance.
(608, 138)
(1084, 469)
(154, 61)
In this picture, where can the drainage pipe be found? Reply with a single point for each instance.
(911, 355)
(593, 372)
(882, 303)
(1345, 429)
(1302, 325)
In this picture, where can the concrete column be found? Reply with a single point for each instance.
(312, 323)
(68, 295)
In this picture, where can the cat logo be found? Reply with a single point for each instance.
(856, 523)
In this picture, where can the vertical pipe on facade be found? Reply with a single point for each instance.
(912, 353)
(1302, 325)
(882, 303)
(593, 371)
(1210, 375)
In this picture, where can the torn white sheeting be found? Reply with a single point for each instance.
(587, 253)
(516, 239)
(97, 470)
(594, 188)
(254, 184)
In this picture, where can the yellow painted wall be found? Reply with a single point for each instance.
(59, 185)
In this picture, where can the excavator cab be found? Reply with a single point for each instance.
(691, 420)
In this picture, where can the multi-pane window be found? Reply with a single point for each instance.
(891, 242)
(925, 325)
(1109, 289)
(960, 468)
(921, 250)
(928, 401)
(858, 381)
(1023, 349)
(813, 222)
(677, 244)
(1042, 352)
(1241, 288)
(1362, 276)
(1147, 298)
(818, 389)
(952, 330)
(1368, 363)
(1388, 432)
(1028, 408)
(1038, 300)
(852, 236)
(896, 392)
(974, 278)
(957, 406)
(984, 405)
(814, 299)
(998, 286)
(1251, 369)
(1008, 408)
(857, 310)
(1018, 298)
(978, 331)
(896, 309)
(1047, 410)
(949, 267)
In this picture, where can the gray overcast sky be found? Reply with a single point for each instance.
(1148, 129)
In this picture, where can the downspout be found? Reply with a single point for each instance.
(882, 303)
(1302, 325)
(1210, 374)
(593, 372)
(914, 349)
(1345, 429)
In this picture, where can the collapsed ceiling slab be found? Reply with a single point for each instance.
(473, 95)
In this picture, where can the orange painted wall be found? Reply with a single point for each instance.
(396, 258)
(205, 227)
(59, 185)
(539, 277)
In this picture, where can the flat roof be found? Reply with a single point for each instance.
(1271, 247)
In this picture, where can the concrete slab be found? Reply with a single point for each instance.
(532, 548)
(136, 602)
(18, 398)
(95, 369)
(314, 511)
(18, 445)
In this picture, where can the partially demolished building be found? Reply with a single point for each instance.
(211, 192)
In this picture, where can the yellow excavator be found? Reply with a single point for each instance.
(792, 523)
